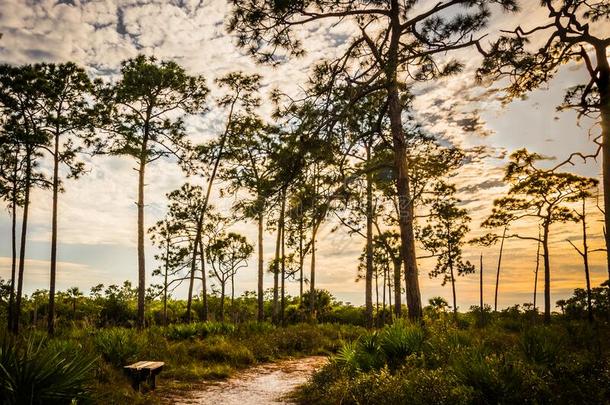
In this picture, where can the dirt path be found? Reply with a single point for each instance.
(264, 384)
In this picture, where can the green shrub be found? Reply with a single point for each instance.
(347, 357)
(256, 327)
(438, 386)
(401, 340)
(302, 338)
(375, 349)
(181, 331)
(36, 372)
(119, 346)
(368, 352)
(200, 330)
(541, 345)
(497, 378)
(219, 350)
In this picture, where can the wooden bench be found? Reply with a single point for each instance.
(144, 371)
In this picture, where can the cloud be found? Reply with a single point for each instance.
(36, 274)
(485, 185)
(98, 211)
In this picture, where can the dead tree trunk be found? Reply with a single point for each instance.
(498, 271)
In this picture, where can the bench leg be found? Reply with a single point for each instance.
(153, 384)
(135, 383)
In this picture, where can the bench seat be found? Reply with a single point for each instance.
(144, 371)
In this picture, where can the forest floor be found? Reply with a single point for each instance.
(263, 384)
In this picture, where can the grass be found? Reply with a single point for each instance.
(192, 353)
(441, 363)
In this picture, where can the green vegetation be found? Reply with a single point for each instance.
(85, 363)
(511, 360)
(504, 357)
(349, 148)
(36, 371)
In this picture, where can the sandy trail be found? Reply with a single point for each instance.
(264, 384)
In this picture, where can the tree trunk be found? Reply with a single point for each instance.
(585, 258)
(204, 282)
(536, 274)
(368, 294)
(397, 284)
(389, 295)
(189, 299)
(232, 289)
(222, 300)
(455, 312)
(141, 257)
(603, 84)
(547, 274)
(383, 285)
(498, 271)
(405, 202)
(301, 258)
(312, 275)
(11, 302)
(276, 264)
(204, 207)
(283, 264)
(377, 298)
(261, 269)
(167, 242)
(405, 213)
(481, 304)
(51, 315)
(22, 248)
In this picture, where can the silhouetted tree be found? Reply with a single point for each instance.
(570, 31)
(67, 116)
(539, 196)
(169, 237)
(247, 166)
(74, 294)
(142, 122)
(444, 235)
(21, 94)
(227, 255)
(392, 37)
(360, 138)
(11, 190)
(584, 252)
(241, 98)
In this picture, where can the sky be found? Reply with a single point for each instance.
(97, 226)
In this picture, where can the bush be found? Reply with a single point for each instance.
(541, 345)
(442, 364)
(36, 372)
(374, 350)
(199, 330)
(217, 349)
(399, 341)
(119, 346)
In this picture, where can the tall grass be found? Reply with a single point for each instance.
(198, 330)
(444, 364)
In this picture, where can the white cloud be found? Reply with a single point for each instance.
(100, 209)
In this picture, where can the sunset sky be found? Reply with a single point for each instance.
(97, 228)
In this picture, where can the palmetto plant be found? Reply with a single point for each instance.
(401, 340)
(118, 346)
(34, 371)
(374, 350)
